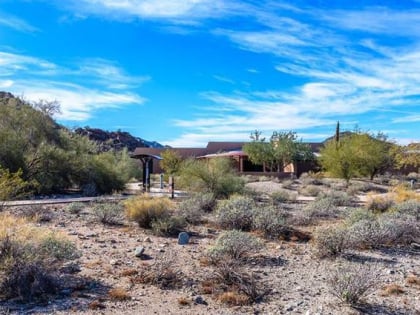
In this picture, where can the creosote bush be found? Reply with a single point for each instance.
(310, 190)
(352, 282)
(145, 209)
(108, 213)
(233, 244)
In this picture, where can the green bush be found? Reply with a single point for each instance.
(357, 215)
(108, 213)
(215, 175)
(234, 245)
(236, 213)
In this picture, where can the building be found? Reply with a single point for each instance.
(150, 158)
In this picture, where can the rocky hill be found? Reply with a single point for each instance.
(117, 140)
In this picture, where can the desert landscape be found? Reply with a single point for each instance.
(292, 246)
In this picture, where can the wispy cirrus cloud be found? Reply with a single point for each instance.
(16, 23)
(345, 74)
(83, 88)
(176, 11)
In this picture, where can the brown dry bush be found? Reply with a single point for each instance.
(161, 274)
(118, 294)
(392, 289)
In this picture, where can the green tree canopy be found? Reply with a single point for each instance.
(356, 154)
(282, 149)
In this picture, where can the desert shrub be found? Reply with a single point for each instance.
(29, 259)
(365, 233)
(168, 225)
(240, 286)
(337, 198)
(351, 282)
(193, 208)
(59, 248)
(235, 213)
(357, 215)
(145, 209)
(379, 203)
(118, 294)
(281, 196)
(355, 188)
(233, 244)
(321, 208)
(36, 213)
(269, 220)
(403, 193)
(330, 241)
(310, 190)
(75, 207)
(161, 274)
(216, 175)
(410, 207)
(108, 213)
(28, 281)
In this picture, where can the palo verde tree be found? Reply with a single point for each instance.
(356, 154)
(171, 162)
(282, 149)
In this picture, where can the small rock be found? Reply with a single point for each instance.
(199, 300)
(147, 239)
(183, 238)
(114, 262)
(138, 252)
(391, 272)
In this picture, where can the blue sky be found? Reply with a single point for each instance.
(185, 72)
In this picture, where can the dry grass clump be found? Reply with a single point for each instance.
(183, 301)
(403, 193)
(118, 294)
(352, 282)
(413, 280)
(233, 298)
(233, 245)
(392, 289)
(379, 203)
(30, 257)
(145, 209)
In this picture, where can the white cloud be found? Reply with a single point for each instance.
(16, 23)
(408, 119)
(81, 89)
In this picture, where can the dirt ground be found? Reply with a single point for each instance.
(297, 279)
